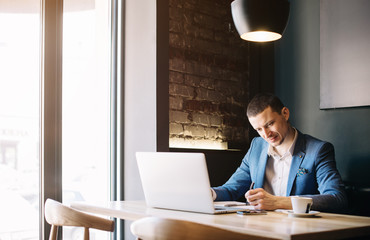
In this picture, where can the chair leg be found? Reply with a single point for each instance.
(53, 232)
(86, 234)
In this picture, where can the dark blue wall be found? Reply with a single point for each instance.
(297, 83)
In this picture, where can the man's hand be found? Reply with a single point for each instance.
(261, 199)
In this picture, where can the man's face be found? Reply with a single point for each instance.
(272, 126)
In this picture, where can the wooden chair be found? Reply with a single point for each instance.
(154, 228)
(57, 214)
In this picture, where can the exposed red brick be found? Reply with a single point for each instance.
(208, 73)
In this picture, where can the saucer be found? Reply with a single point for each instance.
(292, 214)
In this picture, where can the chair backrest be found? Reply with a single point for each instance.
(154, 228)
(57, 214)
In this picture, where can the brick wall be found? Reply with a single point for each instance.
(208, 76)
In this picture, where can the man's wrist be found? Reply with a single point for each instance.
(214, 194)
(284, 203)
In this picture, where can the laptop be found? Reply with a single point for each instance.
(177, 181)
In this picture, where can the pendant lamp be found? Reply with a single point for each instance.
(260, 20)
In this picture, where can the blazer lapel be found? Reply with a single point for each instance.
(260, 177)
(298, 156)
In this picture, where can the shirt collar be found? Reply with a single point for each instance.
(272, 152)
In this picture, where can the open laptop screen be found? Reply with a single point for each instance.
(176, 181)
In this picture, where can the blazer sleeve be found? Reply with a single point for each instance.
(332, 197)
(239, 182)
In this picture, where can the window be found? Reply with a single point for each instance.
(19, 119)
(40, 112)
(86, 104)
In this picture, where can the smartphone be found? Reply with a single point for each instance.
(252, 212)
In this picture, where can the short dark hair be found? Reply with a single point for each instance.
(262, 101)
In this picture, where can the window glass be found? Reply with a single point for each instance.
(19, 119)
(86, 105)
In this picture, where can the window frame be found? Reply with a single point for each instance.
(51, 107)
(51, 26)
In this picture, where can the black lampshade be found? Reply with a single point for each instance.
(260, 20)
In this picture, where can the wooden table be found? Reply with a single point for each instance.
(275, 224)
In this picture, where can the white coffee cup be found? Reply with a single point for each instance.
(301, 204)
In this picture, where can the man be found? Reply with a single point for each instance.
(283, 162)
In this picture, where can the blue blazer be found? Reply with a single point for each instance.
(313, 173)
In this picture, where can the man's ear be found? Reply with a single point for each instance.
(285, 112)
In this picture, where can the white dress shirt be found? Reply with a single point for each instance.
(277, 169)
